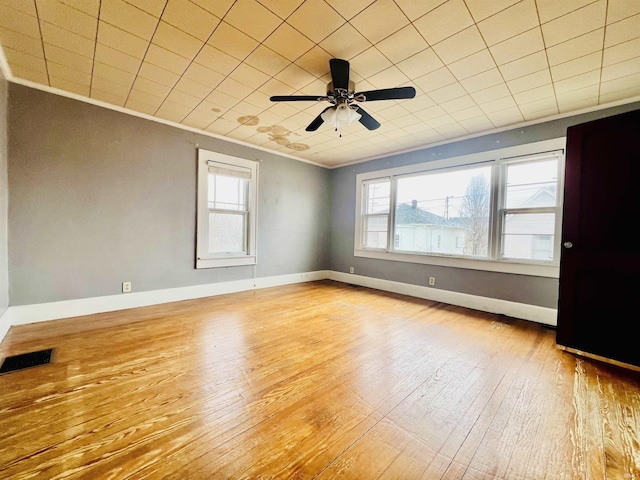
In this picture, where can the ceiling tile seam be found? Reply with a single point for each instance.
(625, 18)
(352, 16)
(272, 77)
(498, 66)
(546, 55)
(123, 30)
(604, 36)
(26, 54)
(242, 61)
(228, 76)
(22, 12)
(573, 39)
(511, 38)
(539, 24)
(95, 47)
(571, 11)
(191, 61)
(145, 11)
(66, 29)
(145, 53)
(46, 67)
(449, 70)
(212, 13)
(530, 73)
(392, 33)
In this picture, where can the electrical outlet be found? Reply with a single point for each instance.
(126, 287)
(351, 270)
(432, 281)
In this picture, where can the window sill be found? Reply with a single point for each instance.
(540, 270)
(226, 261)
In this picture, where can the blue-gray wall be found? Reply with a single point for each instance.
(516, 288)
(98, 197)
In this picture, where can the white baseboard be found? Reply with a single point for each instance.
(547, 316)
(23, 314)
(40, 312)
(5, 324)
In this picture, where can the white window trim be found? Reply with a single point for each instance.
(492, 157)
(203, 259)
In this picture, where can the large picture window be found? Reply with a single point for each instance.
(227, 188)
(497, 210)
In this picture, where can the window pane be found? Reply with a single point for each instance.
(532, 184)
(226, 232)
(529, 236)
(375, 231)
(446, 213)
(377, 197)
(226, 192)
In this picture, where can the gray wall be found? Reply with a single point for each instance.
(4, 269)
(98, 197)
(517, 288)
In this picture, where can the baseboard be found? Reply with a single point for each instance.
(41, 312)
(23, 314)
(547, 316)
(5, 324)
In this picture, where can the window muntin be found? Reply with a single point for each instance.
(227, 210)
(500, 235)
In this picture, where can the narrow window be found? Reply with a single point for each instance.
(227, 188)
(375, 215)
(530, 208)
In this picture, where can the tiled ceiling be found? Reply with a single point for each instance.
(477, 65)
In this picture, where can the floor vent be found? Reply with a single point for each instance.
(26, 360)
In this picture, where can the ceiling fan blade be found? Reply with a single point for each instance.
(313, 126)
(387, 94)
(339, 73)
(367, 120)
(296, 98)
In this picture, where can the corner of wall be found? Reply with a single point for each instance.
(4, 268)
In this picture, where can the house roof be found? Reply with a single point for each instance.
(208, 65)
(406, 214)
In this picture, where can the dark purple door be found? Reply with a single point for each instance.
(600, 259)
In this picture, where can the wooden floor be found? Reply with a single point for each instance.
(318, 380)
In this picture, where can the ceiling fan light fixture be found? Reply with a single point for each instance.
(340, 116)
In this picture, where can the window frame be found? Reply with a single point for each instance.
(497, 159)
(204, 259)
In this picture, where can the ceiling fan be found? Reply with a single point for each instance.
(341, 95)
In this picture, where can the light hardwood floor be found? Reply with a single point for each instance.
(318, 380)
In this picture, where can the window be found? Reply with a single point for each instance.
(227, 200)
(375, 216)
(528, 216)
(497, 210)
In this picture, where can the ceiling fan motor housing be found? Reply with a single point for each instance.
(331, 90)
